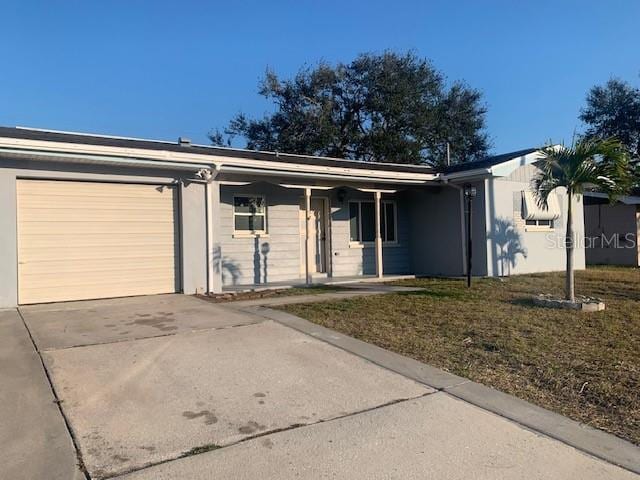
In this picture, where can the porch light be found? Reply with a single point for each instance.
(469, 193)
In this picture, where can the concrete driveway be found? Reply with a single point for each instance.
(172, 387)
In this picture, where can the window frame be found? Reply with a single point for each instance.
(249, 233)
(384, 204)
(537, 227)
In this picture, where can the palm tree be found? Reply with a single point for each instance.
(600, 164)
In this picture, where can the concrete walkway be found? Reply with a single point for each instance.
(347, 291)
(34, 441)
(174, 387)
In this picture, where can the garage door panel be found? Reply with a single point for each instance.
(104, 228)
(81, 240)
(71, 215)
(144, 277)
(61, 294)
(49, 188)
(76, 262)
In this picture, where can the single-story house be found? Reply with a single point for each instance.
(88, 216)
(611, 229)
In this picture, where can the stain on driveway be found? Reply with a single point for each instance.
(176, 393)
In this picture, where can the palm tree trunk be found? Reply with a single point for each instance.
(570, 281)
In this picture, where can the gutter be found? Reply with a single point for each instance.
(12, 154)
(327, 176)
(479, 172)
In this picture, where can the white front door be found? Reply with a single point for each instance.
(318, 235)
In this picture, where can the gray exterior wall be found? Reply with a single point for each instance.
(611, 234)
(192, 271)
(437, 231)
(512, 248)
(349, 259)
(271, 258)
(278, 255)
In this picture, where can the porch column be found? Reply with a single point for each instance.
(378, 196)
(307, 235)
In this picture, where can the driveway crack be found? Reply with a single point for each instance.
(209, 448)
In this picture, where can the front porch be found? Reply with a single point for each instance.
(276, 235)
(270, 231)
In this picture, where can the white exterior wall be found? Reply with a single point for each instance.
(512, 247)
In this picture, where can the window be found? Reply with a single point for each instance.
(540, 223)
(539, 217)
(249, 214)
(362, 221)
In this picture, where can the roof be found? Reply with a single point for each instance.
(123, 142)
(487, 162)
(598, 198)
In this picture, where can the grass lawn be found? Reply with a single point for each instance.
(583, 365)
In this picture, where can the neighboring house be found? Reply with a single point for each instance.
(87, 216)
(611, 230)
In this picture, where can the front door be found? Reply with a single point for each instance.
(318, 235)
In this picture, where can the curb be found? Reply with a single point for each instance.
(587, 439)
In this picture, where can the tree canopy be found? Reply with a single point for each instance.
(613, 110)
(389, 107)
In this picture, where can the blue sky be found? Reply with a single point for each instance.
(161, 69)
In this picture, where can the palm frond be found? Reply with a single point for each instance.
(601, 164)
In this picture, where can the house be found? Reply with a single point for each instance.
(87, 216)
(611, 229)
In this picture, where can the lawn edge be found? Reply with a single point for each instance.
(597, 443)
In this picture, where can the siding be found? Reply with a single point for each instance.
(438, 235)
(271, 258)
(360, 260)
(244, 260)
(611, 234)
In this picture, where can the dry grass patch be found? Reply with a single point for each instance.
(583, 365)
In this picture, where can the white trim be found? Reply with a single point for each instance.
(540, 228)
(243, 234)
(375, 190)
(249, 233)
(234, 183)
(230, 163)
(312, 187)
(331, 173)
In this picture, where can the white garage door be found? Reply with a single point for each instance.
(82, 240)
